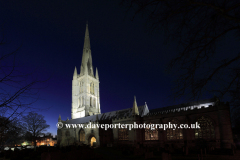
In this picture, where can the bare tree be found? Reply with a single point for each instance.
(12, 133)
(19, 88)
(35, 124)
(3, 130)
(28, 136)
(198, 27)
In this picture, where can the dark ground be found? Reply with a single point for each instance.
(104, 153)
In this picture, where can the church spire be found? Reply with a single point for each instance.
(87, 39)
(86, 66)
(135, 107)
(85, 86)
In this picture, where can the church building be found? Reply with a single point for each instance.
(212, 115)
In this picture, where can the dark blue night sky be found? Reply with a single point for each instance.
(130, 60)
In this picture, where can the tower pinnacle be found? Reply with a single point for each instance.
(59, 118)
(135, 107)
(96, 76)
(75, 73)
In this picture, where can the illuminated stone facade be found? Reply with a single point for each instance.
(85, 86)
(212, 115)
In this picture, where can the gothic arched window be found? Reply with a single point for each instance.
(81, 86)
(174, 134)
(123, 134)
(67, 133)
(151, 132)
(82, 136)
(83, 100)
(92, 88)
(206, 130)
(80, 101)
(91, 101)
(94, 102)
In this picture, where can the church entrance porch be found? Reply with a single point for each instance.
(92, 141)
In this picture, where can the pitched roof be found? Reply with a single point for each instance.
(184, 106)
(143, 110)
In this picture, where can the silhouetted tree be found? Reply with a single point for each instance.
(12, 132)
(18, 87)
(35, 124)
(198, 26)
(28, 136)
(3, 130)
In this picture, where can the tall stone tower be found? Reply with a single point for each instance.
(85, 86)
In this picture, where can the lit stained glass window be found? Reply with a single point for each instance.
(174, 134)
(206, 130)
(151, 133)
(123, 134)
